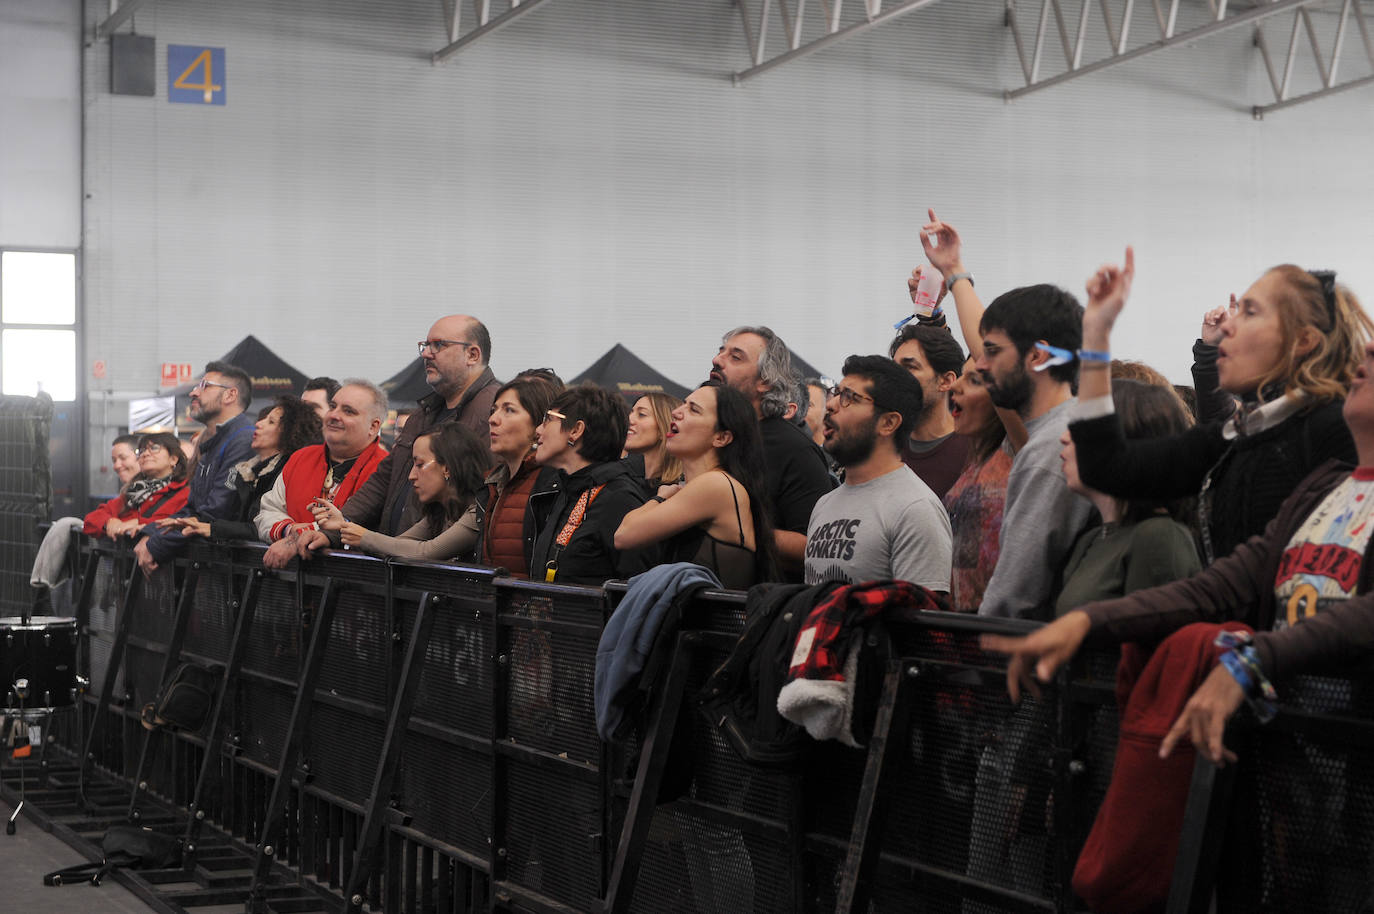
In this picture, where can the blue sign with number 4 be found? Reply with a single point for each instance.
(195, 75)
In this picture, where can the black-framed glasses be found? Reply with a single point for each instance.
(847, 396)
(438, 346)
(152, 447)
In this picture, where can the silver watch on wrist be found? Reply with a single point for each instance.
(949, 283)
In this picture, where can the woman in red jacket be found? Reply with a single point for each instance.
(158, 491)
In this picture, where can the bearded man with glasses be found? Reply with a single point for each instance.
(883, 523)
(455, 353)
(219, 402)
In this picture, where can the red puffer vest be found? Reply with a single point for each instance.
(503, 540)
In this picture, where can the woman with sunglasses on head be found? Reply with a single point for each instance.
(646, 440)
(446, 472)
(578, 512)
(283, 427)
(715, 518)
(158, 490)
(1289, 352)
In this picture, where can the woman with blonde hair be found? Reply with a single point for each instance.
(647, 438)
(1289, 352)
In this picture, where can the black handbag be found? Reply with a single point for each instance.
(126, 846)
(185, 701)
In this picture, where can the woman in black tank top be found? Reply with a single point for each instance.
(714, 518)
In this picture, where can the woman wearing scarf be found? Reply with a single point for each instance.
(157, 491)
(1289, 351)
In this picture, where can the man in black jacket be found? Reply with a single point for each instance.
(756, 362)
(456, 354)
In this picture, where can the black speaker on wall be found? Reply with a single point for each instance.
(132, 68)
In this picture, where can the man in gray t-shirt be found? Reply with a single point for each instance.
(884, 523)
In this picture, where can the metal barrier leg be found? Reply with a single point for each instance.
(111, 675)
(185, 604)
(1199, 847)
(238, 646)
(644, 796)
(300, 717)
(884, 758)
(388, 766)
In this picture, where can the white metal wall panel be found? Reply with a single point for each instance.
(40, 124)
(591, 175)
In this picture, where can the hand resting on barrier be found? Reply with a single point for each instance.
(145, 558)
(280, 553)
(1048, 648)
(1204, 718)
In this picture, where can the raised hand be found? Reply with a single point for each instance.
(352, 534)
(1212, 321)
(1048, 649)
(942, 246)
(1108, 290)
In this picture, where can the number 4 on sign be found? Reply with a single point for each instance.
(207, 83)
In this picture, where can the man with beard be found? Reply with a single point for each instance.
(1021, 330)
(935, 360)
(883, 523)
(218, 402)
(455, 355)
(331, 473)
(756, 362)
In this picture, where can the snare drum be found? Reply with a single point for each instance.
(43, 651)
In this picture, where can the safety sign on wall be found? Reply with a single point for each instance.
(195, 75)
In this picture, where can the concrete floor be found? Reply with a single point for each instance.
(29, 853)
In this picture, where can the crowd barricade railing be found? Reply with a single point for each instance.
(1290, 826)
(422, 736)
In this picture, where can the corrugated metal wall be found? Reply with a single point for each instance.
(591, 175)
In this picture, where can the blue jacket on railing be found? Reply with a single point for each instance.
(213, 492)
(629, 636)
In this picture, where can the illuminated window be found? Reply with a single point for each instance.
(37, 314)
(38, 288)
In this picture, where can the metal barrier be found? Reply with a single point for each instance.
(421, 737)
(25, 494)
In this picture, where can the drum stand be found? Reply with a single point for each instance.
(20, 689)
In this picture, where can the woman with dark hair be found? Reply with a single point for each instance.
(156, 491)
(446, 471)
(283, 427)
(716, 517)
(505, 521)
(1140, 542)
(646, 439)
(577, 512)
(1289, 351)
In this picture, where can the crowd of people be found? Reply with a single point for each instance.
(1020, 472)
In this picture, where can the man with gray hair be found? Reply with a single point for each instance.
(756, 362)
(331, 472)
(455, 354)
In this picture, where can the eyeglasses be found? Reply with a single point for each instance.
(152, 447)
(206, 382)
(438, 346)
(847, 396)
(554, 414)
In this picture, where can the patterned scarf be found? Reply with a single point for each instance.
(140, 490)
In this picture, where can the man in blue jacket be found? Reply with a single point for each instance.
(218, 401)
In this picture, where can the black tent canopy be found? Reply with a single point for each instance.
(407, 386)
(271, 374)
(629, 375)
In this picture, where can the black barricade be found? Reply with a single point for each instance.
(25, 495)
(421, 737)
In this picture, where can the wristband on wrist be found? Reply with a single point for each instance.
(660, 499)
(1242, 663)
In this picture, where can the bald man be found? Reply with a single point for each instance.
(455, 354)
